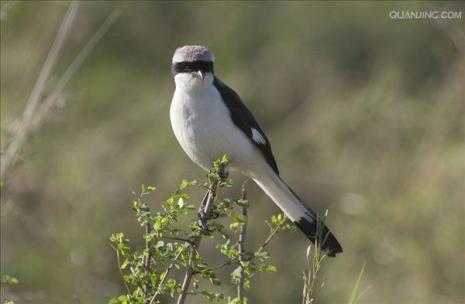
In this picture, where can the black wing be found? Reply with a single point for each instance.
(245, 121)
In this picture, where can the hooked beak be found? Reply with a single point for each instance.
(200, 74)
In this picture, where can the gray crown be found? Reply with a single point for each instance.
(193, 53)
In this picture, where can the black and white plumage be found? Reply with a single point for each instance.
(210, 120)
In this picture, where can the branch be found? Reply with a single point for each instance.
(204, 211)
(39, 88)
(188, 276)
(148, 230)
(241, 245)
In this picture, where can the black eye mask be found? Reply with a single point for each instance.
(194, 66)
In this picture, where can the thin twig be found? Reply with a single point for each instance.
(118, 259)
(39, 88)
(241, 246)
(270, 236)
(173, 238)
(228, 262)
(167, 271)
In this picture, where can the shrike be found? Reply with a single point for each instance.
(210, 120)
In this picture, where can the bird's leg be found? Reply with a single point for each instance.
(223, 173)
(201, 213)
(207, 203)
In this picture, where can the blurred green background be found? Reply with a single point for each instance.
(366, 116)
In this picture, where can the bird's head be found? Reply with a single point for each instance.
(192, 66)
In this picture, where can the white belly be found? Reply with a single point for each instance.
(203, 126)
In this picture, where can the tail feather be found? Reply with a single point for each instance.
(304, 218)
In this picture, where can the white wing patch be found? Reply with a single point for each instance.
(257, 137)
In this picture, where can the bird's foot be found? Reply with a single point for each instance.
(201, 213)
(223, 173)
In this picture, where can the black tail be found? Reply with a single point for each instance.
(317, 232)
(289, 202)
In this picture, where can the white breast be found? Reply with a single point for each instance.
(203, 126)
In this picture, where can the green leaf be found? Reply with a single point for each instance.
(8, 280)
(237, 272)
(242, 203)
(268, 268)
(262, 255)
(215, 281)
(212, 296)
(239, 217)
(146, 189)
(225, 159)
(186, 184)
(234, 226)
(125, 264)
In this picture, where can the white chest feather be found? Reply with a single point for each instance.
(203, 126)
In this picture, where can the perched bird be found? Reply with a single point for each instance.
(210, 120)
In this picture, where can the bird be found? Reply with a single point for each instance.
(210, 120)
